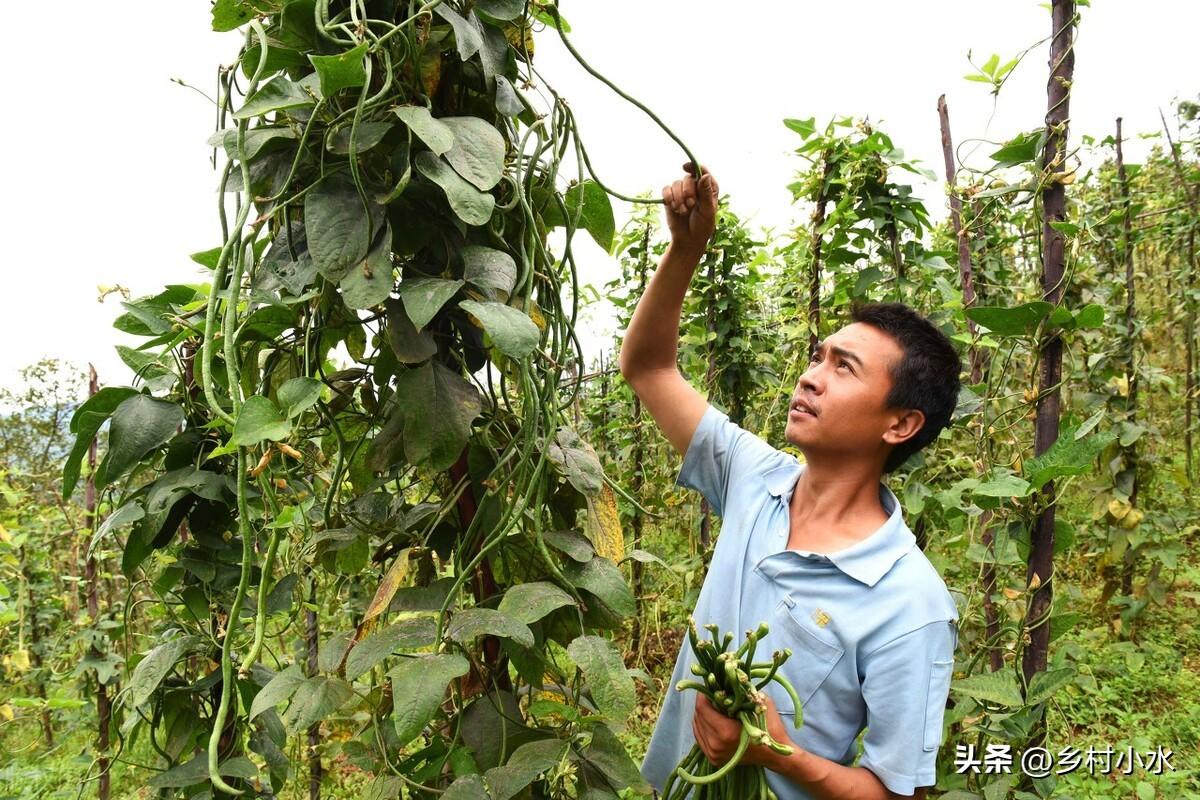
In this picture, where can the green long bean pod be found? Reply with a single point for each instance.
(235, 610)
(743, 744)
(264, 586)
(227, 676)
(552, 9)
(787, 687)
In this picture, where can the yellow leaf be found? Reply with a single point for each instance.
(6, 712)
(18, 661)
(1132, 519)
(431, 71)
(1118, 508)
(1035, 582)
(536, 315)
(4, 534)
(1011, 594)
(520, 35)
(387, 587)
(604, 524)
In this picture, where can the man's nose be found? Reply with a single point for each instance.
(810, 381)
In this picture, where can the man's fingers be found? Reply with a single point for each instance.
(669, 197)
(687, 193)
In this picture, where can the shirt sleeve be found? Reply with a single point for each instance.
(905, 684)
(721, 451)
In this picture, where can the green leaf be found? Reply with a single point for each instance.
(603, 578)
(573, 543)
(1090, 316)
(259, 420)
(195, 771)
(804, 127)
(605, 675)
(173, 485)
(1011, 320)
(512, 331)
(281, 687)
(478, 150)
(314, 700)
(467, 787)
(368, 135)
(139, 425)
(436, 134)
(493, 271)
(369, 283)
(1067, 456)
(989, 67)
(341, 71)
(523, 767)
(466, 37)
(501, 9)
(228, 15)
(337, 227)
(607, 754)
(1045, 684)
(278, 268)
(408, 633)
(256, 140)
(156, 665)
(1003, 486)
(1089, 425)
(418, 686)
(438, 407)
(127, 514)
(298, 395)
(423, 298)
(529, 602)
(279, 94)
(471, 205)
(470, 623)
(1021, 149)
(278, 59)
(994, 687)
(588, 202)
(85, 424)
(408, 345)
(576, 461)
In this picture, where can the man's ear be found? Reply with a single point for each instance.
(904, 426)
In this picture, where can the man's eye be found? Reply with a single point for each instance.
(843, 364)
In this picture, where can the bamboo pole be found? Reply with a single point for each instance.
(966, 274)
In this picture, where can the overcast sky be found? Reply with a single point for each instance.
(109, 175)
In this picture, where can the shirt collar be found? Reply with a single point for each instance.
(870, 559)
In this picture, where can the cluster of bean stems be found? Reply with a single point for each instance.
(733, 683)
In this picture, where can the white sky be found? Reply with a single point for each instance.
(112, 184)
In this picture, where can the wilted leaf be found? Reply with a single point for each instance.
(576, 460)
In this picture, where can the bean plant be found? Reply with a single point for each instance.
(360, 420)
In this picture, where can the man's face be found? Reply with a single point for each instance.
(846, 384)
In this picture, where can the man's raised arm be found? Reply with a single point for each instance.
(649, 351)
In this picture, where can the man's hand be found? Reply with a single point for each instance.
(691, 209)
(718, 735)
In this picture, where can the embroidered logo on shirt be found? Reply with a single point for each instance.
(821, 618)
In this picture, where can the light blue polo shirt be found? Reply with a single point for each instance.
(871, 627)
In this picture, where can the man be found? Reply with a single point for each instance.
(818, 550)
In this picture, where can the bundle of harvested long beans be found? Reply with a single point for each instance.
(733, 683)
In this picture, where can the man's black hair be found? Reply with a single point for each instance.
(925, 378)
